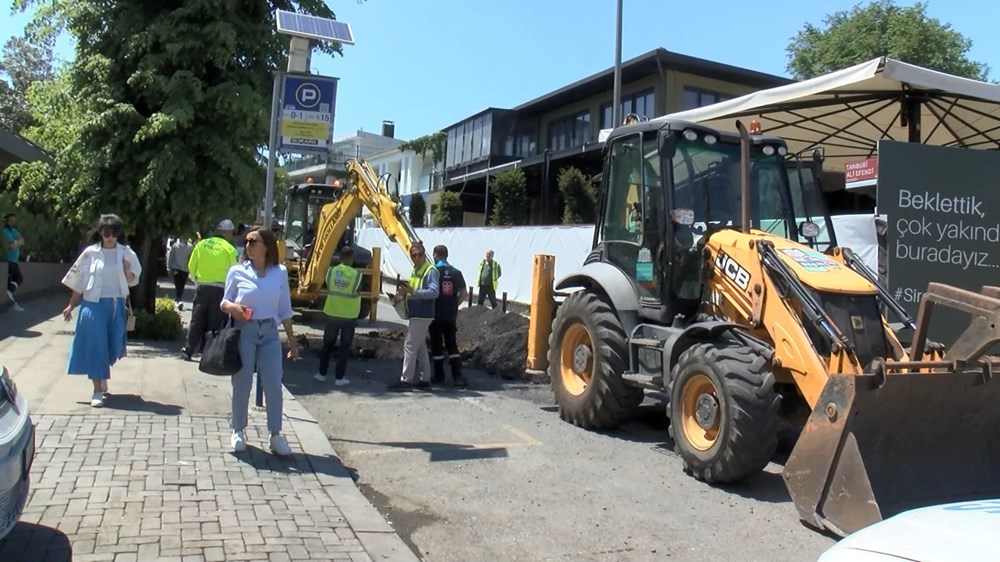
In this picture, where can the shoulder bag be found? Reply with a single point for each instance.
(129, 315)
(221, 355)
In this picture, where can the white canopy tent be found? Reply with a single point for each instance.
(847, 112)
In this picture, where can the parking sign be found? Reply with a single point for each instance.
(307, 112)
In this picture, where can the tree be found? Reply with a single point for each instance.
(510, 196)
(579, 196)
(418, 210)
(176, 96)
(433, 143)
(882, 29)
(449, 210)
(22, 64)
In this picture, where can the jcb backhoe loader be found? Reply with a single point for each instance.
(713, 281)
(319, 220)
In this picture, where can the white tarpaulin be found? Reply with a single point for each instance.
(848, 111)
(515, 248)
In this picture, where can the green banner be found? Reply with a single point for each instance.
(943, 211)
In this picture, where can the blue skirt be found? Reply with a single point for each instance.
(99, 341)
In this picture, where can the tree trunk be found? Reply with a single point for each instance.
(146, 247)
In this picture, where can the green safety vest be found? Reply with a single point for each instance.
(416, 283)
(343, 300)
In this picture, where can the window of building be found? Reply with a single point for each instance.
(698, 97)
(521, 142)
(570, 131)
(640, 103)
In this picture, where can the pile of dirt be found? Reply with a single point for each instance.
(493, 341)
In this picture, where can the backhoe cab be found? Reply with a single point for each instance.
(717, 281)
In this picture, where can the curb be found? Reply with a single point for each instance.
(377, 536)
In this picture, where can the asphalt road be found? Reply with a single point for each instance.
(494, 474)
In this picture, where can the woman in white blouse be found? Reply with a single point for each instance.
(100, 280)
(257, 296)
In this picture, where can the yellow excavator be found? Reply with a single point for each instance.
(714, 280)
(319, 220)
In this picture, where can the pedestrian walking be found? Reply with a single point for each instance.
(12, 243)
(100, 279)
(178, 257)
(342, 308)
(258, 298)
(420, 293)
(489, 278)
(211, 260)
(443, 329)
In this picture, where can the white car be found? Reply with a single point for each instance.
(17, 451)
(961, 531)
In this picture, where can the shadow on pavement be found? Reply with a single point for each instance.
(136, 403)
(29, 542)
(36, 311)
(439, 452)
(297, 463)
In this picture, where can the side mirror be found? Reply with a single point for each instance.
(666, 144)
(809, 229)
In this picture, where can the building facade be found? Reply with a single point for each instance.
(561, 128)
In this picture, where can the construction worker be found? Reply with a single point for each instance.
(488, 278)
(342, 308)
(421, 293)
(210, 261)
(443, 329)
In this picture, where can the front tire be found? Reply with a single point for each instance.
(723, 412)
(587, 356)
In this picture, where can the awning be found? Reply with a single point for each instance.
(848, 111)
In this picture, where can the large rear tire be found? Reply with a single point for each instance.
(587, 356)
(723, 412)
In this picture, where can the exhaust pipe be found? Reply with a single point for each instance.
(744, 176)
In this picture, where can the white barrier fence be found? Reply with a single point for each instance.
(515, 247)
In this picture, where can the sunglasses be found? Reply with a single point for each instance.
(252, 241)
(109, 233)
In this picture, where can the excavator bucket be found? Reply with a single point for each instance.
(909, 434)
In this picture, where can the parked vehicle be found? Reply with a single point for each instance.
(17, 451)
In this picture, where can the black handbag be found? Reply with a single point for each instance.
(221, 354)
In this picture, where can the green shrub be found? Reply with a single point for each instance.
(164, 324)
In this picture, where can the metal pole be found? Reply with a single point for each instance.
(272, 147)
(617, 101)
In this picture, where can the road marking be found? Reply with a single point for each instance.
(528, 440)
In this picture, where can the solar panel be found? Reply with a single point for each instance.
(313, 27)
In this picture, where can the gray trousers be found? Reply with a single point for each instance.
(260, 347)
(415, 350)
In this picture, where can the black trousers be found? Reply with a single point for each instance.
(444, 338)
(14, 277)
(180, 280)
(344, 328)
(204, 316)
(487, 291)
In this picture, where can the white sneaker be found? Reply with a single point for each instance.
(342, 382)
(97, 400)
(279, 445)
(238, 441)
(319, 378)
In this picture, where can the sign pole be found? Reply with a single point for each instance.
(272, 147)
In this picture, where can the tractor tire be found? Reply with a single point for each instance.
(723, 412)
(587, 356)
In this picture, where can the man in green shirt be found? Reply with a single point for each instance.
(342, 308)
(209, 264)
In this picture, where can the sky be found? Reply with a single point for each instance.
(427, 64)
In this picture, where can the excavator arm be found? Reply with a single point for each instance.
(363, 189)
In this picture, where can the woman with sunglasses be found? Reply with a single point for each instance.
(258, 298)
(100, 280)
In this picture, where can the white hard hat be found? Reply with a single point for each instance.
(225, 224)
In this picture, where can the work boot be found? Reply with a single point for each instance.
(456, 373)
(438, 376)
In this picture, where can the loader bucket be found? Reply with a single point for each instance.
(875, 446)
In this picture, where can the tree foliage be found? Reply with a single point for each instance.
(877, 29)
(579, 196)
(449, 210)
(22, 64)
(509, 196)
(433, 143)
(173, 102)
(418, 210)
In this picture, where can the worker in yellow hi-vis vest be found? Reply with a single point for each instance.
(342, 308)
